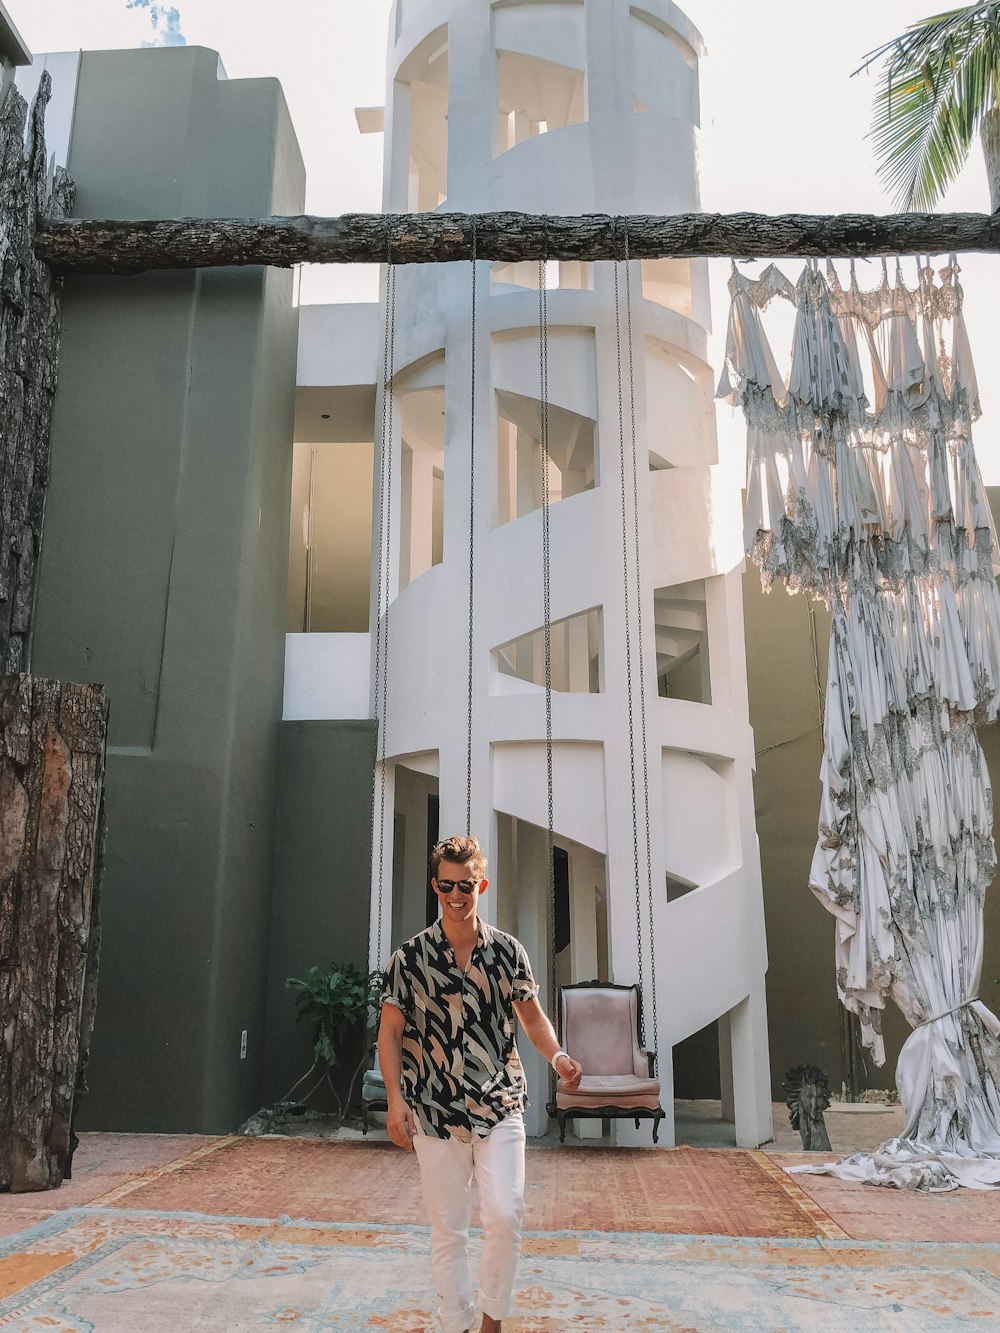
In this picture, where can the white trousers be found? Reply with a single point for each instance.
(446, 1170)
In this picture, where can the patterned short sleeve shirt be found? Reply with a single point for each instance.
(462, 1074)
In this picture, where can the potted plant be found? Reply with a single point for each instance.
(342, 1002)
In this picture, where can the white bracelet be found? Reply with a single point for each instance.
(552, 1062)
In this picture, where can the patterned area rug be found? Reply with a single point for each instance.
(686, 1191)
(117, 1270)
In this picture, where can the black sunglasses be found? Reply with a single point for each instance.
(465, 886)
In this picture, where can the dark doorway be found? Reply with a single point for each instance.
(433, 824)
(560, 884)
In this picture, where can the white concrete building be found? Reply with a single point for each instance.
(560, 107)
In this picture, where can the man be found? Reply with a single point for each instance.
(455, 1085)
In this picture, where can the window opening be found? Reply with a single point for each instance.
(668, 283)
(330, 538)
(421, 511)
(570, 275)
(425, 76)
(576, 656)
(536, 97)
(571, 468)
(682, 661)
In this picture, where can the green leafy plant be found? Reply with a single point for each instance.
(938, 91)
(341, 1001)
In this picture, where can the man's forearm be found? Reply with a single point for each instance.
(390, 1058)
(540, 1032)
(400, 1121)
(542, 1036)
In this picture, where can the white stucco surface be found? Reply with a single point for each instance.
(509, 74)
(327, 676)
(337, 344)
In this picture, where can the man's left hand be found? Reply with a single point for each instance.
(570, 1072)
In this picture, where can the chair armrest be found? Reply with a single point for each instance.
(643, 1062)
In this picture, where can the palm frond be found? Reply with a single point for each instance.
(939, 79)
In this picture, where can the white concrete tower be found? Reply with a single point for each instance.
(565, 107)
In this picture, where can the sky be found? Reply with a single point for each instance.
(784, 124)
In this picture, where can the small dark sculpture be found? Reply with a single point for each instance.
(807, 1091)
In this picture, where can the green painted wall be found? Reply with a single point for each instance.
(786, 643)
(163, 574)
(322, 875)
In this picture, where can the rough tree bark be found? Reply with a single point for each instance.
(990, 138)
(52, 736)
(52, 747)
(111, 246)
(88, 1008)
(29, 342)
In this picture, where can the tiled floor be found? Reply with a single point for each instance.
(852, 1128)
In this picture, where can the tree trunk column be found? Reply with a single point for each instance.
(990, 136)
(29, 350)
(52, 749)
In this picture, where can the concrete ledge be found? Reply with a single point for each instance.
(12, 44)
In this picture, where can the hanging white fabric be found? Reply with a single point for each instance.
(863, 490)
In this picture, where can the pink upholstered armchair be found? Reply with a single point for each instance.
(599, 1026)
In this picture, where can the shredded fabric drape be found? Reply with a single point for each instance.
(863, 490)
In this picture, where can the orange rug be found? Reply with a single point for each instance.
(680, 1192)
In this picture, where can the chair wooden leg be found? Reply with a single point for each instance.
(364, 1118)
(561, 1117)
(656, 1126)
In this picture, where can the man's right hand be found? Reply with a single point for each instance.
(402, 1125)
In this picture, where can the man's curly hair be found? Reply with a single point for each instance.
(461, 851)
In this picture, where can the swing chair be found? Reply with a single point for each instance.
(599, 1022)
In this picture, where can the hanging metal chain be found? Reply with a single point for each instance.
(383, 581)
(639, 635)
(472, 543)
(543, 412)
(628, 640)
(543, 417)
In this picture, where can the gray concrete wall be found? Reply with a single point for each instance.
(163, 574)
(322, 875)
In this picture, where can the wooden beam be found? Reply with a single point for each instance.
(114, 246)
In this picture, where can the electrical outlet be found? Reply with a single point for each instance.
(243, 1044)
